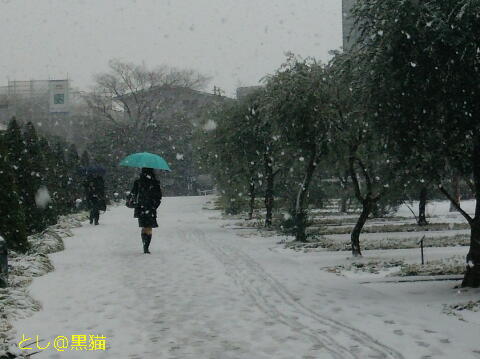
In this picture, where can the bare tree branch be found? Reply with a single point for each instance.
(136, 89)
(455, 204)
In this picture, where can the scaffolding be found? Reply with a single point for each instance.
(34, 99)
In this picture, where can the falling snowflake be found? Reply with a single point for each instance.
(210, 125)
(42, 197)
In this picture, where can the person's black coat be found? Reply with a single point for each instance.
(95, 193)
(148, 196)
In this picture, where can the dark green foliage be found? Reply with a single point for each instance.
(74, 189)
(16, 154)
(233, 151)
(40, 183)
(61, 197)
(85, 159)
(12, 218)
(424, 74)
(295, 222)
(49, 180)
(298, 102)
(32, 173)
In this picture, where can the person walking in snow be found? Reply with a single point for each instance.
(95, 196)
(146, 195)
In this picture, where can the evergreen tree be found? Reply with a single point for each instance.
(16, 153)
(425, 74)
(50, 181)
(61, 196)
(85, 159)
(299, 107)
(74, 185)
(358, 145)
(12, 218)
(33, 169)
(223, 154)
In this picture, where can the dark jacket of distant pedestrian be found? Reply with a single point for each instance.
(147, 196)
(95, 196)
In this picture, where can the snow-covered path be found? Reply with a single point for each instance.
(206, 293)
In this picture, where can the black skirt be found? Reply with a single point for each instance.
(147, 221)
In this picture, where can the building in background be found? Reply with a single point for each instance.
(51, 105)
(34, 99)
(246, 90)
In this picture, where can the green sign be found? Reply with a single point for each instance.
(59, 99)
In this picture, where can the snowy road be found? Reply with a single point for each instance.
(206, 293)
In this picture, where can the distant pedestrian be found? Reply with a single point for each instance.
(95, 196)
(145, 197)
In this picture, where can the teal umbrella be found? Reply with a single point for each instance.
(145, 159)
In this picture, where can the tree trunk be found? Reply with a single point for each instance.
(344, 200)
(343, 205)
(472, 274)
(300, 219)
(456, 193)
(269, 177)
(376, 211)
(422, 219)
(367, 206)
(252, 199)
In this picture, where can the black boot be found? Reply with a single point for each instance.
(97, 217)
(146, 242)
(149, 239)
(91, 217)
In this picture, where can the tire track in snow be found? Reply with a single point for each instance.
(259, 296)
(268, 293)
(357, 335)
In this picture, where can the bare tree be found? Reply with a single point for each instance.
(131, 94)
(140, 109)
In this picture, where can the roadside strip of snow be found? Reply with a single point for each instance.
(15, 300)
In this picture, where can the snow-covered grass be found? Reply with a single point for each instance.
(390, 266)
(390, 246)
(461, 310)
(15, 300)
(388, 228)
(381, 242)
(368, 265)
(394, 232)
(449, 265)
(454, 265)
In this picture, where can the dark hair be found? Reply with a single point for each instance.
(148, 172)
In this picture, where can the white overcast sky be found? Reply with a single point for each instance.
(234, 42)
